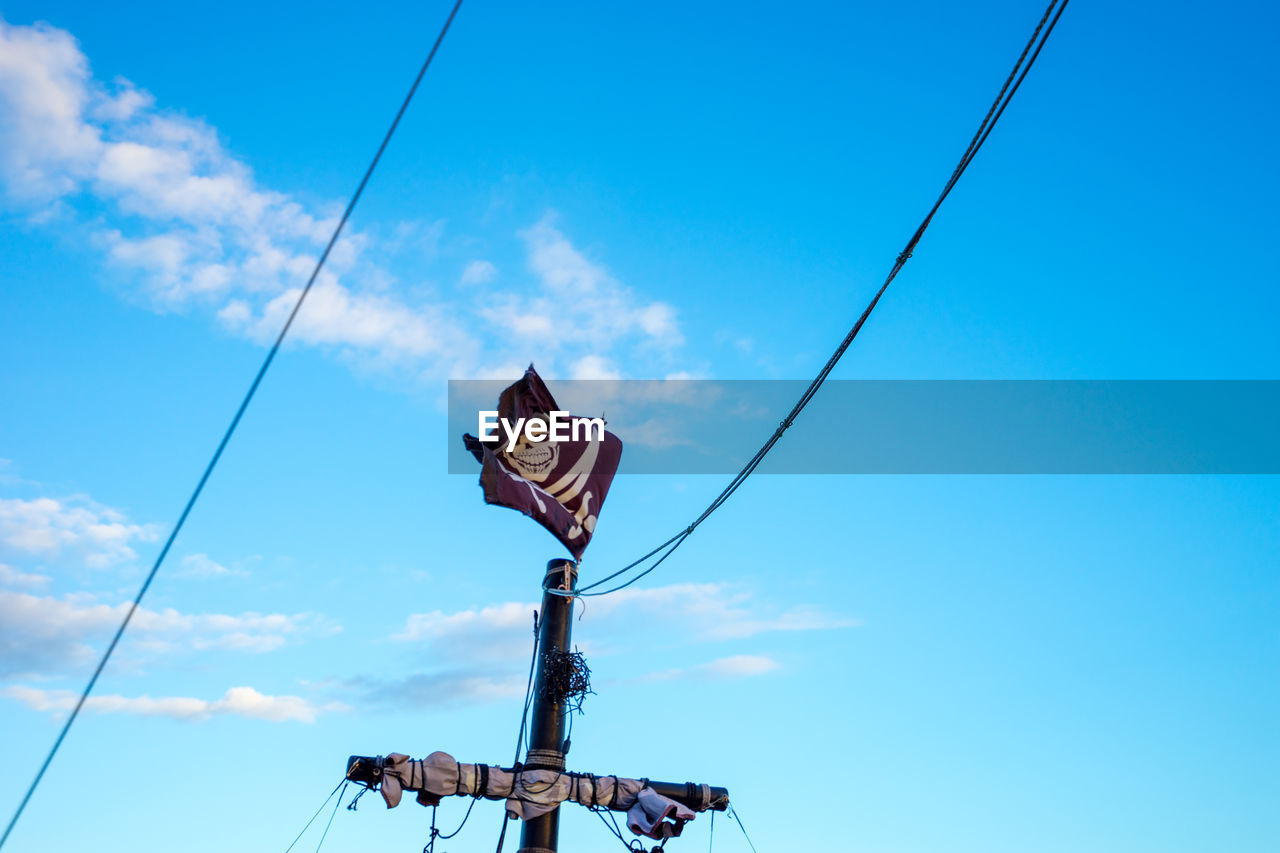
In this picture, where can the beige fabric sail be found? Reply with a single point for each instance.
(530, 793)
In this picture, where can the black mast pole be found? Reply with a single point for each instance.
(546, 727)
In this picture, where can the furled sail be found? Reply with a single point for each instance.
(531, 793)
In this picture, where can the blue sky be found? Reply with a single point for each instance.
(871, 663)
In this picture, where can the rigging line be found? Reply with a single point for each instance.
(733, 813)
(316, 815)
(465, 817)
(438, 835)
(528, 693)
(226, 437)
(364, 789)
(633, 845)
(1011, 85)
(524, 719)
(334, 814)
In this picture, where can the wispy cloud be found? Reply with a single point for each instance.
(736, 666)
(442, 689)
(203, 221)
(50, 528)
(478, 272)
(7, 475)
(475, 647)
(236, 702)
(585, 300)
(184, 219)
(204, 566)
(714, 611)
(46, 635)
(11, 577)
(496, 631)
(705, 612)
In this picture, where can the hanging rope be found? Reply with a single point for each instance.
(634, 844)
(226, 437)
(435, 833)
(1011, 84)
(364, 789)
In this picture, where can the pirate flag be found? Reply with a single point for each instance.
(559, 480)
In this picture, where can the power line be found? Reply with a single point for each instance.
(1011, 84)
(226, 437)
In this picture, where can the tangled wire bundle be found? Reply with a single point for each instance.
(568, 678)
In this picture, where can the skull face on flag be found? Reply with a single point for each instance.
(561, 484)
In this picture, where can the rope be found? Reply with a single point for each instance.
(528, 695)
(733, 813)
(1007, 91)
(634, 844)
(317, 814)
(444, 837)
(364, 789)
(332, 815)
(226, 437)
(524, 720)
(436, 834)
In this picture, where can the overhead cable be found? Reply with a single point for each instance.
(1011, 85)
(226, 437)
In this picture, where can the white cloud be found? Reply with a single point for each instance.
(479, 272)
(588, 303)
(237, 701)
(497, 631)
(46, 147)
(202, 566)
(50, 528)
(735, 666)
(475, 648)
(9, 576)
(713, 611)
(739, 666)
(189, 223)
(449, 688)
(201, 226)
(705, 612)
(7, 477)
(45, 635)
(370, 322)
(593, 367)
(512, 317)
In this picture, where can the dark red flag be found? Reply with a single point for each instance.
(561, 484)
